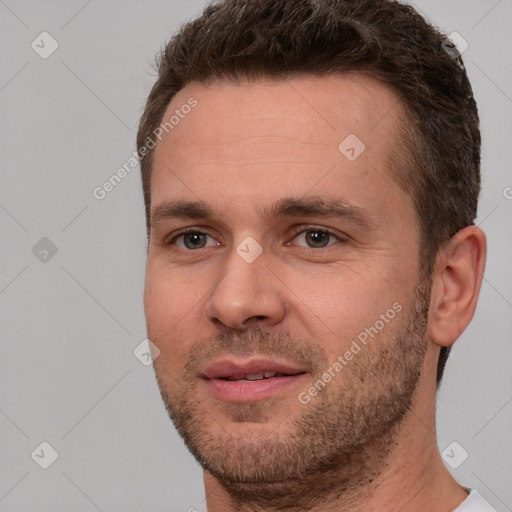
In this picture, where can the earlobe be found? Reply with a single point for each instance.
(456, 284)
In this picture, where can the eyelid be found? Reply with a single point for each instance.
(297, 230)
(171, 239)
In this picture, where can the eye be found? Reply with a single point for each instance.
(193, 240)
(315, 238)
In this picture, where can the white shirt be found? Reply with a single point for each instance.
(474, 503)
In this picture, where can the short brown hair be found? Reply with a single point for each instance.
(383, 39)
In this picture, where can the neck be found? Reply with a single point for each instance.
(400, 471)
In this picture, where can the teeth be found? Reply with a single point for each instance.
(259, 376)
(256, 376)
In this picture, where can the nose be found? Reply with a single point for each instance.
(247, 296)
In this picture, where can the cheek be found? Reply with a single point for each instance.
(170, 293)
(159, 301)
(335, 307)
(169, 304)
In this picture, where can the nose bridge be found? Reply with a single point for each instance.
(248, 291)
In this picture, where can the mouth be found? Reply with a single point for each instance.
(251, 377)
(232, 380)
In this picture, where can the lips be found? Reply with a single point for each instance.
(250, 377)
(252, 380)
(255, 369)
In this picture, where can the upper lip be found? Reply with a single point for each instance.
(239, 368)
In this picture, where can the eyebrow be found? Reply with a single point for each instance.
(317, 206)
(321, 206)
(180, 210)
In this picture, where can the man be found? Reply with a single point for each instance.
(311, 177)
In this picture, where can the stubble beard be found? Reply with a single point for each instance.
(334, 447)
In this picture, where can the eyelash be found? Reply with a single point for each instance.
(296, 231)
(305, 228)
(186, 231)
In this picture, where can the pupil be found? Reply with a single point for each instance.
(317, 238)
(194, 240)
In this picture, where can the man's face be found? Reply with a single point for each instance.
(276, 252)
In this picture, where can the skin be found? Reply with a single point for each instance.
(244, 148)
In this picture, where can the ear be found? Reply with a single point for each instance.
(456, 284)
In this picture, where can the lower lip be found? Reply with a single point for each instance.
(243, 391)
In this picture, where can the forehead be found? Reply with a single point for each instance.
(272, 137)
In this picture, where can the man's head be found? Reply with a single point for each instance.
(301, 215)
(436, 157)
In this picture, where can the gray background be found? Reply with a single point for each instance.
(70, 324)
